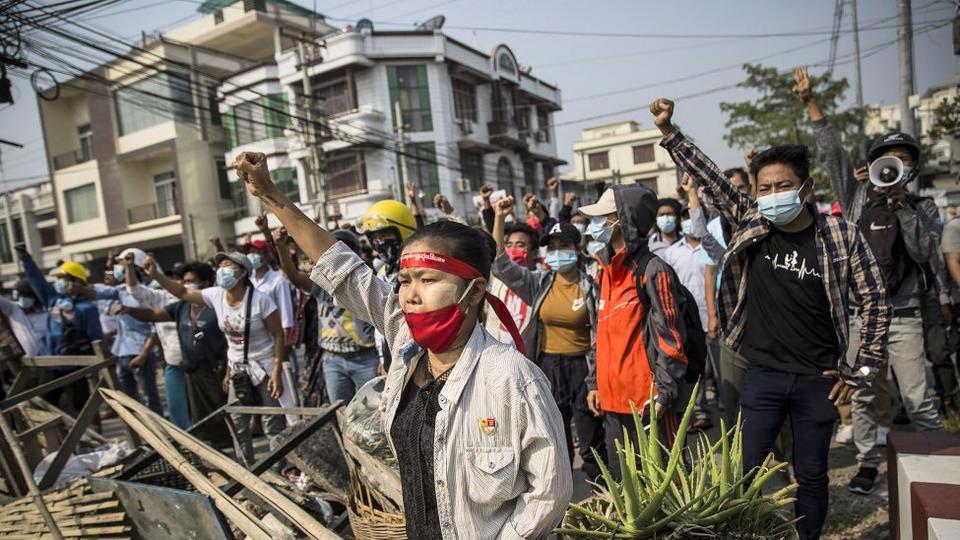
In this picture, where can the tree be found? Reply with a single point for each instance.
(778, 117)
(944, 128)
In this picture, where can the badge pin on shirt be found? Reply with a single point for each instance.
(488, 425)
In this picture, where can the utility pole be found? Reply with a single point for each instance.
(905, 38)
(400, 148)
(315, 180)
(858, 79)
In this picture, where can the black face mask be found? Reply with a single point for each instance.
(388, 251)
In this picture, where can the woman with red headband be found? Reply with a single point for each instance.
(478, 437)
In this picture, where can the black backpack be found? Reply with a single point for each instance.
(694, 338)
(881, 229)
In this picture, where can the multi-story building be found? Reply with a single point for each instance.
(466, 118)
(28, 216)
(136, 146)
(621, 153)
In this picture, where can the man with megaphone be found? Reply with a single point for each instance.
(903, 231)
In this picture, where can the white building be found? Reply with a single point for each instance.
(622, 153)
(468, 118)
(31, 220)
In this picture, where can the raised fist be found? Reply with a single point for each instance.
(149, 266)
(749, 155)
(687, 184)
(486, 191)
(569, 199)
(553, 183)
(262, 223)
(662, 111)
(802, 87)
(251, 167)
(442, 203)
(504, 206)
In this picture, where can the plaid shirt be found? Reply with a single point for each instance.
(845, 260)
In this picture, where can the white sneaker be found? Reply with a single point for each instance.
(844, 434)
(882, 435)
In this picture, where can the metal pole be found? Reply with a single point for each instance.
(905, 38)
(401, 149)
(858, 81)
(313, 161)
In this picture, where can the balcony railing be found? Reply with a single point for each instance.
(69, 159)
(157, 210)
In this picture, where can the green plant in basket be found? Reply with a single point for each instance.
(674, 493)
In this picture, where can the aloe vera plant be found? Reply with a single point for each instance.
(673, 492)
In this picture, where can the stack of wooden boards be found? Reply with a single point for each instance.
(77, 510)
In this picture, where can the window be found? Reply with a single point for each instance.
(333, 95)
(254, 5)
(543, 125)
(277, 115)
(422, 167)
(599, 161)
(471, 168)
(286, 180)
(250, 123)
(154, 100)
(48, 236)
(505, 175)
(6, 251)
(85, 134)
(464, 100)
(506, 63)
(218, 16)
(503, 110)
(223, 180)
(530, 175)
(408, 86)
(643, 153)
(213, 105)
(165, 188)
(238, 193)
(523, 118)
(17, 230)
(345, 174)
(46, 216)
(648, 182)
(81, 203)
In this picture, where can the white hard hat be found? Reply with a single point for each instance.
(138, 256)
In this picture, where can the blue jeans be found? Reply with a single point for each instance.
(175, 388)
(769, 397)
(143, 379)
(344, 376)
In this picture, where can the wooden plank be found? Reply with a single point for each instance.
(68, 419)
(28, 477)
(39, 428)
(282, 505)
(302, 411)
(108, 376)
(153, 435)
(58, 361)
(306, 430)
(90, 409)
(69, 378)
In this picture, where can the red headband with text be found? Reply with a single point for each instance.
(452, 265)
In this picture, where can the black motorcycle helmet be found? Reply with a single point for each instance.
(891, 140)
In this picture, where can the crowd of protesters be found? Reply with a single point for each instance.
(511, 345)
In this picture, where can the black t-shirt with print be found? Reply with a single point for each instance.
(788, 325)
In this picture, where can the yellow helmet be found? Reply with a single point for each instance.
(74, 269)
(387, 214)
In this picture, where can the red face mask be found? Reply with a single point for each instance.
(435, 330)
(517, 255)
(534, 222)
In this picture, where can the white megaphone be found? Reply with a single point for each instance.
(886, 171)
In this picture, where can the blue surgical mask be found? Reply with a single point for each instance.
(686, 226)
(25, 302)
(118, 272)
(192, 286)
(561, 260)
(907, 175)
(600, 230)
(667, 224)
(780, 208)
(226, 278)
(256, 260)
(60, 286)
(581, 227)
(594, 247)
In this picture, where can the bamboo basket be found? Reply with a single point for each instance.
(370, 523)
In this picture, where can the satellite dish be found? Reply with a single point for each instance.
(364, 24)
(433, 23)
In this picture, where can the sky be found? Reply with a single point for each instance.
(599, 73)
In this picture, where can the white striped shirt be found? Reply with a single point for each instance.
(509, 479)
